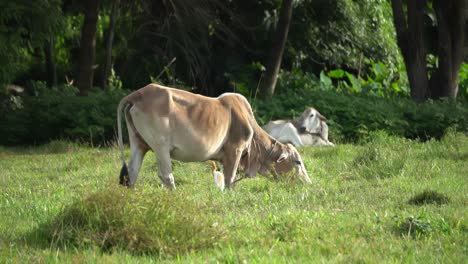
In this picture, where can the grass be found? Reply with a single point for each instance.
(387, 199)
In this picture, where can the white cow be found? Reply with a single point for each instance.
(180, 125)
(309, 129)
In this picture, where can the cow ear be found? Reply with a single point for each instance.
(322, 117)
(282, 157)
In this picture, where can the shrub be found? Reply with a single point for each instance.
(60, 114)
(57, 113)
(353, 116)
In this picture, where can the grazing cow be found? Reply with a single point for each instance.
(309, 129)
(180, 125)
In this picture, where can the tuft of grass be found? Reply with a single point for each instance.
(151, 222)
(283, 229)
(413, 227)
(429, 197)
(383, 156)
(377, 162)
(417, 227)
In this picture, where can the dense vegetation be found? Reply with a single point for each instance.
(387, 199)
(211, 39)
(352, 112)
(75, 59)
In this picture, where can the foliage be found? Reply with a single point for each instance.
(342, 34)
(61, 202)
(213, 40)
(193, 31)
(51, 113)
(463, 81)
(354, 116)
(24, 30)
(59, 113)
(381, 81)
(245, 80)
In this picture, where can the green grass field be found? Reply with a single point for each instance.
(385, 200)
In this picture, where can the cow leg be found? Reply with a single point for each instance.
(230, 166)
(138, 150)
(165, 167)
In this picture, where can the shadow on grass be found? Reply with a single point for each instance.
(429, 197)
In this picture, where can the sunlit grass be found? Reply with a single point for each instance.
(387, 199)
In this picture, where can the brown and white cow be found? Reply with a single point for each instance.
(180, 125)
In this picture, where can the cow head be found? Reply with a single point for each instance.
(288, 160)
(273, 158)
(310, 121)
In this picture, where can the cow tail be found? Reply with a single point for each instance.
(124, 171)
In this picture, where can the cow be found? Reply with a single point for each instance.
(309, 129)
(176, 124)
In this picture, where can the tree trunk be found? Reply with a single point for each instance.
(110, 39)
(450, 44)
(417, 67)
(411, 39)
(268, 83)
(88, 46)
(51, 67)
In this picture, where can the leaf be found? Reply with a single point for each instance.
(355, 85)
(337, 74)
(325, 80)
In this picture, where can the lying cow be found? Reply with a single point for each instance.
(179, 125)
(309, 129)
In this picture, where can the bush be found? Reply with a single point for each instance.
(353, 116)
(59, 113)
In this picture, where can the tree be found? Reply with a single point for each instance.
(411, 36)
(268, 83)
(344, 34)
(450, 41)
(50, 62)
(110, 38)
(25, 25)
(87, 46)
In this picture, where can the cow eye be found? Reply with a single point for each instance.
(312, 115)
(298, 162)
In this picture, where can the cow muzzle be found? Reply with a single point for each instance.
(303, 174)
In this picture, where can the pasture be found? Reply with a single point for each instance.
(386, 199)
